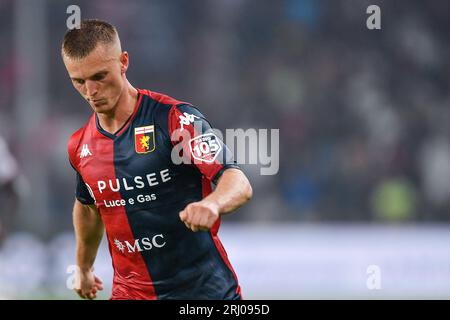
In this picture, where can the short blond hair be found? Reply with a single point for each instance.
(78, 43)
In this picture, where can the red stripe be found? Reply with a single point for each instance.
(164, 99)
(131, 277)
(75, 141)
(206, 190)
(207, 169)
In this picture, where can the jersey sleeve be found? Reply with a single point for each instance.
(82, 193)
(188, 127)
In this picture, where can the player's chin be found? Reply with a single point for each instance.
(101, 108)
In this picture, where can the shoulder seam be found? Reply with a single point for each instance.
(162, 98)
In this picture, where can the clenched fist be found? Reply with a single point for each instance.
(199, 216)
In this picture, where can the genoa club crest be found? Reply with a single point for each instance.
(144, 139)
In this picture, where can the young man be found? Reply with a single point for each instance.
(161, 218)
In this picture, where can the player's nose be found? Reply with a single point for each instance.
(91, 89)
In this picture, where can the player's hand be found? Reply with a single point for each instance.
(88, 284)
(200, 216)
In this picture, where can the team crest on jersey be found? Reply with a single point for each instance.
(144, 139)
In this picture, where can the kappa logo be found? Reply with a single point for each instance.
(186, 119)
(139, 245)
(144, 139)
(85, 151)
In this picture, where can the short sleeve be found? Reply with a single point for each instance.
(204, 145)
(82, 192)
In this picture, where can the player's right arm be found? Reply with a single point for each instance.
(88, 233)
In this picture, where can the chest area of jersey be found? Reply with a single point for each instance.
(133, 169)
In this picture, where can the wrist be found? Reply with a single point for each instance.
(213, 205)
(85, 269)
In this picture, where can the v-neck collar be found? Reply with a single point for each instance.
(124, 126)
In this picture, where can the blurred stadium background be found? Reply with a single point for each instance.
(364, 123)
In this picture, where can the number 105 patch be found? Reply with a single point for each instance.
(205, 147)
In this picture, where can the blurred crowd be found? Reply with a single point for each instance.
(363, 114)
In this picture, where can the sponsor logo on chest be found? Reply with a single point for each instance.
(139, 245)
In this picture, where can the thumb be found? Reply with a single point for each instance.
(98, 280)
(98, 283)
(183, 215)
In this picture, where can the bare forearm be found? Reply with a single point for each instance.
(88, 232)
(232, 191)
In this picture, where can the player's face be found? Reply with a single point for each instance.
(99, 77)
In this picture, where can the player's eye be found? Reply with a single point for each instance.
(78, 81)
(99, 77)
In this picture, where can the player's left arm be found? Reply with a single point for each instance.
(232, 191)
(232, 186)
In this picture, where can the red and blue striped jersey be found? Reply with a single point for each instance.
(139, 192)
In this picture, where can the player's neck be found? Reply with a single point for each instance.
(113, 121)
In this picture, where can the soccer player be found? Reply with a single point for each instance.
(161, 217)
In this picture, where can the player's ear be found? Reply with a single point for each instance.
(124, 61)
